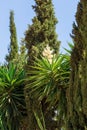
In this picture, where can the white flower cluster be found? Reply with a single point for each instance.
(48, 53)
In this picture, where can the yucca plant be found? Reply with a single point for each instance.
(1, 125)
(12, 104)
(71, 46)
(49, 81)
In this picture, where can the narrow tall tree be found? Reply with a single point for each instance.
(41, 33)
(43, 29)
(21, 58)
(77, 94)
(13, 47)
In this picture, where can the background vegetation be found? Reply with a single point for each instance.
(41, 89)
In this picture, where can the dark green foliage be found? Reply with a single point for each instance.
(12, 104)
(48, 84)
(21, 58)
(69, 51)
(42, 30)
(13, 48)
(77, 93)
(52, 77)
(41, 33)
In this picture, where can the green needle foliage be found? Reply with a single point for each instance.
(77, 94)
(21, 59)
(43, 29)
(12, 105)
(13, 48)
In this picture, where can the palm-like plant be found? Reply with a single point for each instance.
(1, 125)
(71, 46)
(12, 102)
(47, 78)
(50, 80)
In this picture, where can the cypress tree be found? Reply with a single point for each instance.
(21, 58)
(41, 33)
(77, 93)
(13, 48)
(42, 30)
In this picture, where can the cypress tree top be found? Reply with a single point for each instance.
(77, 95)
(13, 48)
(43, 28)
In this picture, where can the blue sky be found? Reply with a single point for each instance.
(64, 11)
